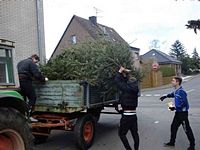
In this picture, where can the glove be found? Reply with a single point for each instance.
(163, 97)
(172, 108)
(119, 109)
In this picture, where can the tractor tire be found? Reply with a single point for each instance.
(15, 133)
(84, 131)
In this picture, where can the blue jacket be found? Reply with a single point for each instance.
(180, 99)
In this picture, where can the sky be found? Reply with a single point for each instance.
(139, 22)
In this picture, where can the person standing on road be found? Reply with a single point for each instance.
(27, 70)
(129, 102)
(181, 106)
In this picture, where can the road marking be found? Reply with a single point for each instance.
(149, 95)
(190, 90)
(157, 95)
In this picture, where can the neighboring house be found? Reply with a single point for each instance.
(80, 30)
(162, 59)
(22, 22)
(136, 56)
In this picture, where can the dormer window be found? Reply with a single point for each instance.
(73, 39)
(104, 31)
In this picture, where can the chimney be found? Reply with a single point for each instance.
(93, 20)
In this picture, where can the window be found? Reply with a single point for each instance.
(2, 73)
(73, 39)
(103, 28)
(6, 66)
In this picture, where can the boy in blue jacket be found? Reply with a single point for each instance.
(181, 106)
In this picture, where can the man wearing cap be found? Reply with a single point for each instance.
(27, 70)
(129, 101)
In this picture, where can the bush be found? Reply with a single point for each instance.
(167, 71)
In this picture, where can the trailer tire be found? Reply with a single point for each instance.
(97, 116)
(84, 131)
(95, 113)
(15, 133)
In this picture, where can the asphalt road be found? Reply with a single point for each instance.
(154, 121)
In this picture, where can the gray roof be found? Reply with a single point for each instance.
(161, 57)
(99, 29)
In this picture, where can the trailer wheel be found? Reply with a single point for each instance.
(15, 133)
(85, 131)
(95, 113)
(97, 116)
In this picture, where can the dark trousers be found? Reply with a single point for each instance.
(129, 122)
(181, 118)
(28, 91)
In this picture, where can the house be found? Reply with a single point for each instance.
(80, 30)
(136, 56)
(163, 60)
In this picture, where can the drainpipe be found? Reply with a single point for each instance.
(40, 30)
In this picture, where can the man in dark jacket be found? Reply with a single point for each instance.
(27, 70)
(181, 106)
(129, 101)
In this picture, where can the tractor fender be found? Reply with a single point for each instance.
(15, 102)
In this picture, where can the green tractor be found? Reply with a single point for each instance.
(15, 132)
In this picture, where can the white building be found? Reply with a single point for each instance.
(22, 21)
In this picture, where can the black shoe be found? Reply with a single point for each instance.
(169, 144)
(191, 148)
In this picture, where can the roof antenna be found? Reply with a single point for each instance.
(132, 41)
(97, 11)
(155, 44)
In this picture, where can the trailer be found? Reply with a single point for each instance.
(69, 105)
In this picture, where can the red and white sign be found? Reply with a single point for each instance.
(155, 66)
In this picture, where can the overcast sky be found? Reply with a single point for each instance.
(138, 21)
